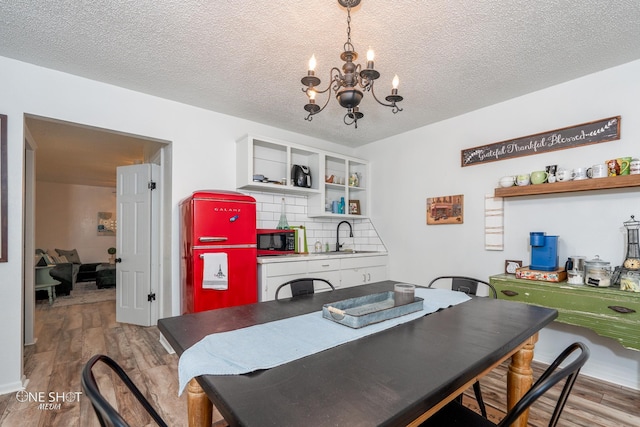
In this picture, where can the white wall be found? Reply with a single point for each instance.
(426, 162)
(203, 157)
(67, 218)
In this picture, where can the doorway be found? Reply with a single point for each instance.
(84, 159)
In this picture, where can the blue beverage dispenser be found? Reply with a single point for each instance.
(544, 251)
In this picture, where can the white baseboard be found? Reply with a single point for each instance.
(15, 386)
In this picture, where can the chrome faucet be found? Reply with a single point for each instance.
(338, 245)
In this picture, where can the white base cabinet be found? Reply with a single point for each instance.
(360, 271)
(342, 272)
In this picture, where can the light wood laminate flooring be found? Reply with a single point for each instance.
(69, 336)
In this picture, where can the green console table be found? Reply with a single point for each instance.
(609, 312)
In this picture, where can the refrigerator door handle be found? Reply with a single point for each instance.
(212, 239)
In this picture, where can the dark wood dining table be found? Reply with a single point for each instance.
(396, 377)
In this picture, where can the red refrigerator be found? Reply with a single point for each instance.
(218, 250)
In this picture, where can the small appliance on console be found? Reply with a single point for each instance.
(544, 251)
(301, 176)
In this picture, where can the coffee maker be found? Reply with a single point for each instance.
(544, 251)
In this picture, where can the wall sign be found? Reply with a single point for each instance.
(570, 137)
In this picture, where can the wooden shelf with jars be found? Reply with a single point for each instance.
(622, 181)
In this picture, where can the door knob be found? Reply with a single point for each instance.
(118, 259)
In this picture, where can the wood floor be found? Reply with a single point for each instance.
(69, 336)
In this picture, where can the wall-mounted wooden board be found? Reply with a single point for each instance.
(560, 139)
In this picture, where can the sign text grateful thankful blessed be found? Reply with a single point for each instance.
(570, 137)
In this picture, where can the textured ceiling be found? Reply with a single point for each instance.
(246, 58)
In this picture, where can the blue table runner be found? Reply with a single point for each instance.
(275, 343)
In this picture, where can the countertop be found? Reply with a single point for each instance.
(312, 256)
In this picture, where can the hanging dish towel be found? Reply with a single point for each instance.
(215, 274)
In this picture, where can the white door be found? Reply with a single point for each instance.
(135, 295)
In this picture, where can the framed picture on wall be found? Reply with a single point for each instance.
(445, 210)
(354, 207)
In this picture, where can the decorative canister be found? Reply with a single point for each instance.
(597, 272)
(630, 281)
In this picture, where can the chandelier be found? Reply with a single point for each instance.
(349, 84)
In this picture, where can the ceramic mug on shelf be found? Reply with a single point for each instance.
(507, 181)
(551, 170)
(522, 179)
(580, 173)
(598, 171)
(539, 177)
(624, 163)
(618, 166)
(634, 167)
(564, 175)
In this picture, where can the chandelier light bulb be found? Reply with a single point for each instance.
(312, 95)
(312, 63)
(370, 55)
(395, 82)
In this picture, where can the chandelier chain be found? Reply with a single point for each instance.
(348, 46)
(349, 24)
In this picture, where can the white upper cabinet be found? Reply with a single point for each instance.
(334, 177)
(273, 160)
(345, 178)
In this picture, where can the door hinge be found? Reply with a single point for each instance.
(151, 297)
(152, 185)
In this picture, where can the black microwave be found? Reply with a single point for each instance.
(276, 242)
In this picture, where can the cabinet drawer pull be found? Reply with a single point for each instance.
(325, 265)
(621, 309)
(509, 293)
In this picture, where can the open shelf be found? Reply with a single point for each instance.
(622, 181)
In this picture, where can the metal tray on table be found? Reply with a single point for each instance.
(365, 310)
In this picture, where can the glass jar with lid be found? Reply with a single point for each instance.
(630, 281)
(597, 272)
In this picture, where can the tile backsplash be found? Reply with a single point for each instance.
(268, 206)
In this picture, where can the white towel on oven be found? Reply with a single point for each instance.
(215, 271)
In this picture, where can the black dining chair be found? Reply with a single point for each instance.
(302, 286)
(469, 286)
(465, 284)
(455, 414)
(107, 414)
